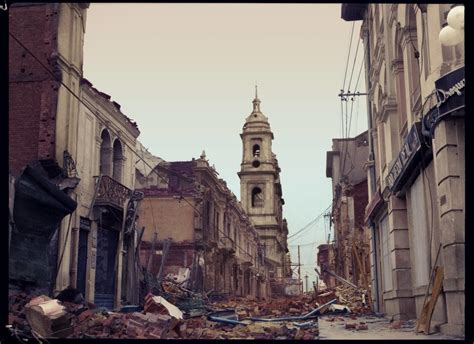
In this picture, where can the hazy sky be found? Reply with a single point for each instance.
(186, 74)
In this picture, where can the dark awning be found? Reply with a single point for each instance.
(39, 208)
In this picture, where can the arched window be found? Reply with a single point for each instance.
(257, 197)
(118, 161)
(105, 154)
(256, 151)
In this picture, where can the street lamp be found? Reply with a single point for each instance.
(453, 33)
(455, 17)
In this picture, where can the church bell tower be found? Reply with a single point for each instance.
(260, 189)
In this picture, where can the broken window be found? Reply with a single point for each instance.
(256, 151)
(257, 197)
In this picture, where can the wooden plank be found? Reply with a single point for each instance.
(152, 252)
(424, 310)
(428, 307)
(437, 286)
(364, 276)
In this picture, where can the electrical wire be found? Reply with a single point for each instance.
(348, 55)
(310, 223)
(94, 111)
(353, 65)
(345, 76)
(350, 116)
(132, 149)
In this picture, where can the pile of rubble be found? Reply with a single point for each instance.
(348, 298)
(181, 313)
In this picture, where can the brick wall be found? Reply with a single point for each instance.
(33, 91)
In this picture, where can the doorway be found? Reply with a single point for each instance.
(84, 229)
(107, 241)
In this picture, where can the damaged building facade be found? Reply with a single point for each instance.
(348, 255)
(71, 153)
(416, 164)
(261, 195)
(195, 228)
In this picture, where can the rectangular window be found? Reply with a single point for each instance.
(386, 262)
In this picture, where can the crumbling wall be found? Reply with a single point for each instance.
(32, 90)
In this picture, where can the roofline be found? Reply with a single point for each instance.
(351, 138)
(106, 99)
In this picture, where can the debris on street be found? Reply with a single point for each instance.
(162, 317)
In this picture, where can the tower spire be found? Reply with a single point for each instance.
(256, 101)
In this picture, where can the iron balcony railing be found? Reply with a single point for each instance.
(110, 192)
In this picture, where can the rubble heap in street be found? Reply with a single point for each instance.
(180, 313)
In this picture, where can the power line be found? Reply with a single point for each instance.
(94, 110)
(345, 151)
(345, 76)
(348, 54)
(353, 65)
(312, 222)
(302, 245)
(133, 149)
(153, 168)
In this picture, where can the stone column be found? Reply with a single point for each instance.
(399, 302)
(63, 279)
(448, 152)
(91, 261)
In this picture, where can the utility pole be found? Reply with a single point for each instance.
(299, 267)
(306, 278)
(299, 264)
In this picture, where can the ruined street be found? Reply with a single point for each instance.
(236, 171)
(333, 314)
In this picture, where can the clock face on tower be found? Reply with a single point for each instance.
(256, 163)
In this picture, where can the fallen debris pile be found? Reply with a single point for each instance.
(181, 313)
(355, 300)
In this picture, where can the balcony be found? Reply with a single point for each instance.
(110, 192)
(227, 245)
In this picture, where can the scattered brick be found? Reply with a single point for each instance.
(350, 326)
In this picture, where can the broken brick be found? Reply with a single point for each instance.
(350, 326)
(84, 315)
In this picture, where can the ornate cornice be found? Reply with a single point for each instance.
(389, 104)
(396, 66)
(408, 36)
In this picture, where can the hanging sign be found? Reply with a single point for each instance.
(402, 165)
(450, 92)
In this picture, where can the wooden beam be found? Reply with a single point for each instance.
(428, 309)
